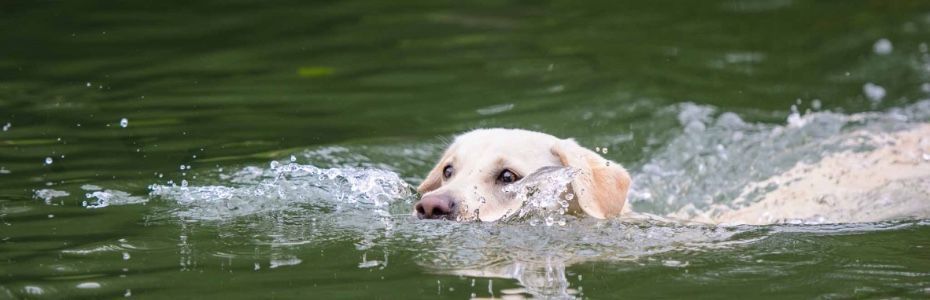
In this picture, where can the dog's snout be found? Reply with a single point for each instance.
(436, 207)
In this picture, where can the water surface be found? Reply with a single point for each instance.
(253, 150)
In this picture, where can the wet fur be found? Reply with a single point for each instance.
(600, 187)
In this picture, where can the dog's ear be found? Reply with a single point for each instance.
(600, 186)
(433, 180)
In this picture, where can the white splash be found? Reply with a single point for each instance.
(544, 194)
(101, 199)
(48, 194)
(285, 187)
(718, 160)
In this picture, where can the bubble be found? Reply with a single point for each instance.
(125, 255)
(123, 122)
(7, 126)
(89, 84)
(48, 161)
(882, 47)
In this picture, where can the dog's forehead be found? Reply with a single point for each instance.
(504, 144)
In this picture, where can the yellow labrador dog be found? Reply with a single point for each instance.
(889, 182)
(468, 181)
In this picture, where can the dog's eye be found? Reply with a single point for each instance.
(507, 176)
(447, 172)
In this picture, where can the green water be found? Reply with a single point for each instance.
(211, 89)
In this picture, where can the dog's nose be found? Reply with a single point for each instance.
(436, 207)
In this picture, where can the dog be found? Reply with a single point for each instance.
(469, 179)
(891, 181)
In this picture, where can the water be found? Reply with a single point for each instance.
(253, 151)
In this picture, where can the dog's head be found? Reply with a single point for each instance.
(468, 181)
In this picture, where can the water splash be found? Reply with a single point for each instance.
(48, 194)
(104, 198)
(545, 196)
(720, 156)
(286, 187)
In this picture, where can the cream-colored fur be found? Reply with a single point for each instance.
(479, 156)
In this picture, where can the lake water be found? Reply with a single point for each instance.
(251, 150)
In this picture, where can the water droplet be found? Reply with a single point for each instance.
(123, 122)
(882, 47)
(873, 91)
(7, 126)
(88, 84)
(125, 255)
(293, 159)
(48, 161)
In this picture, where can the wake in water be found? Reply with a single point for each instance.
(724, 170)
